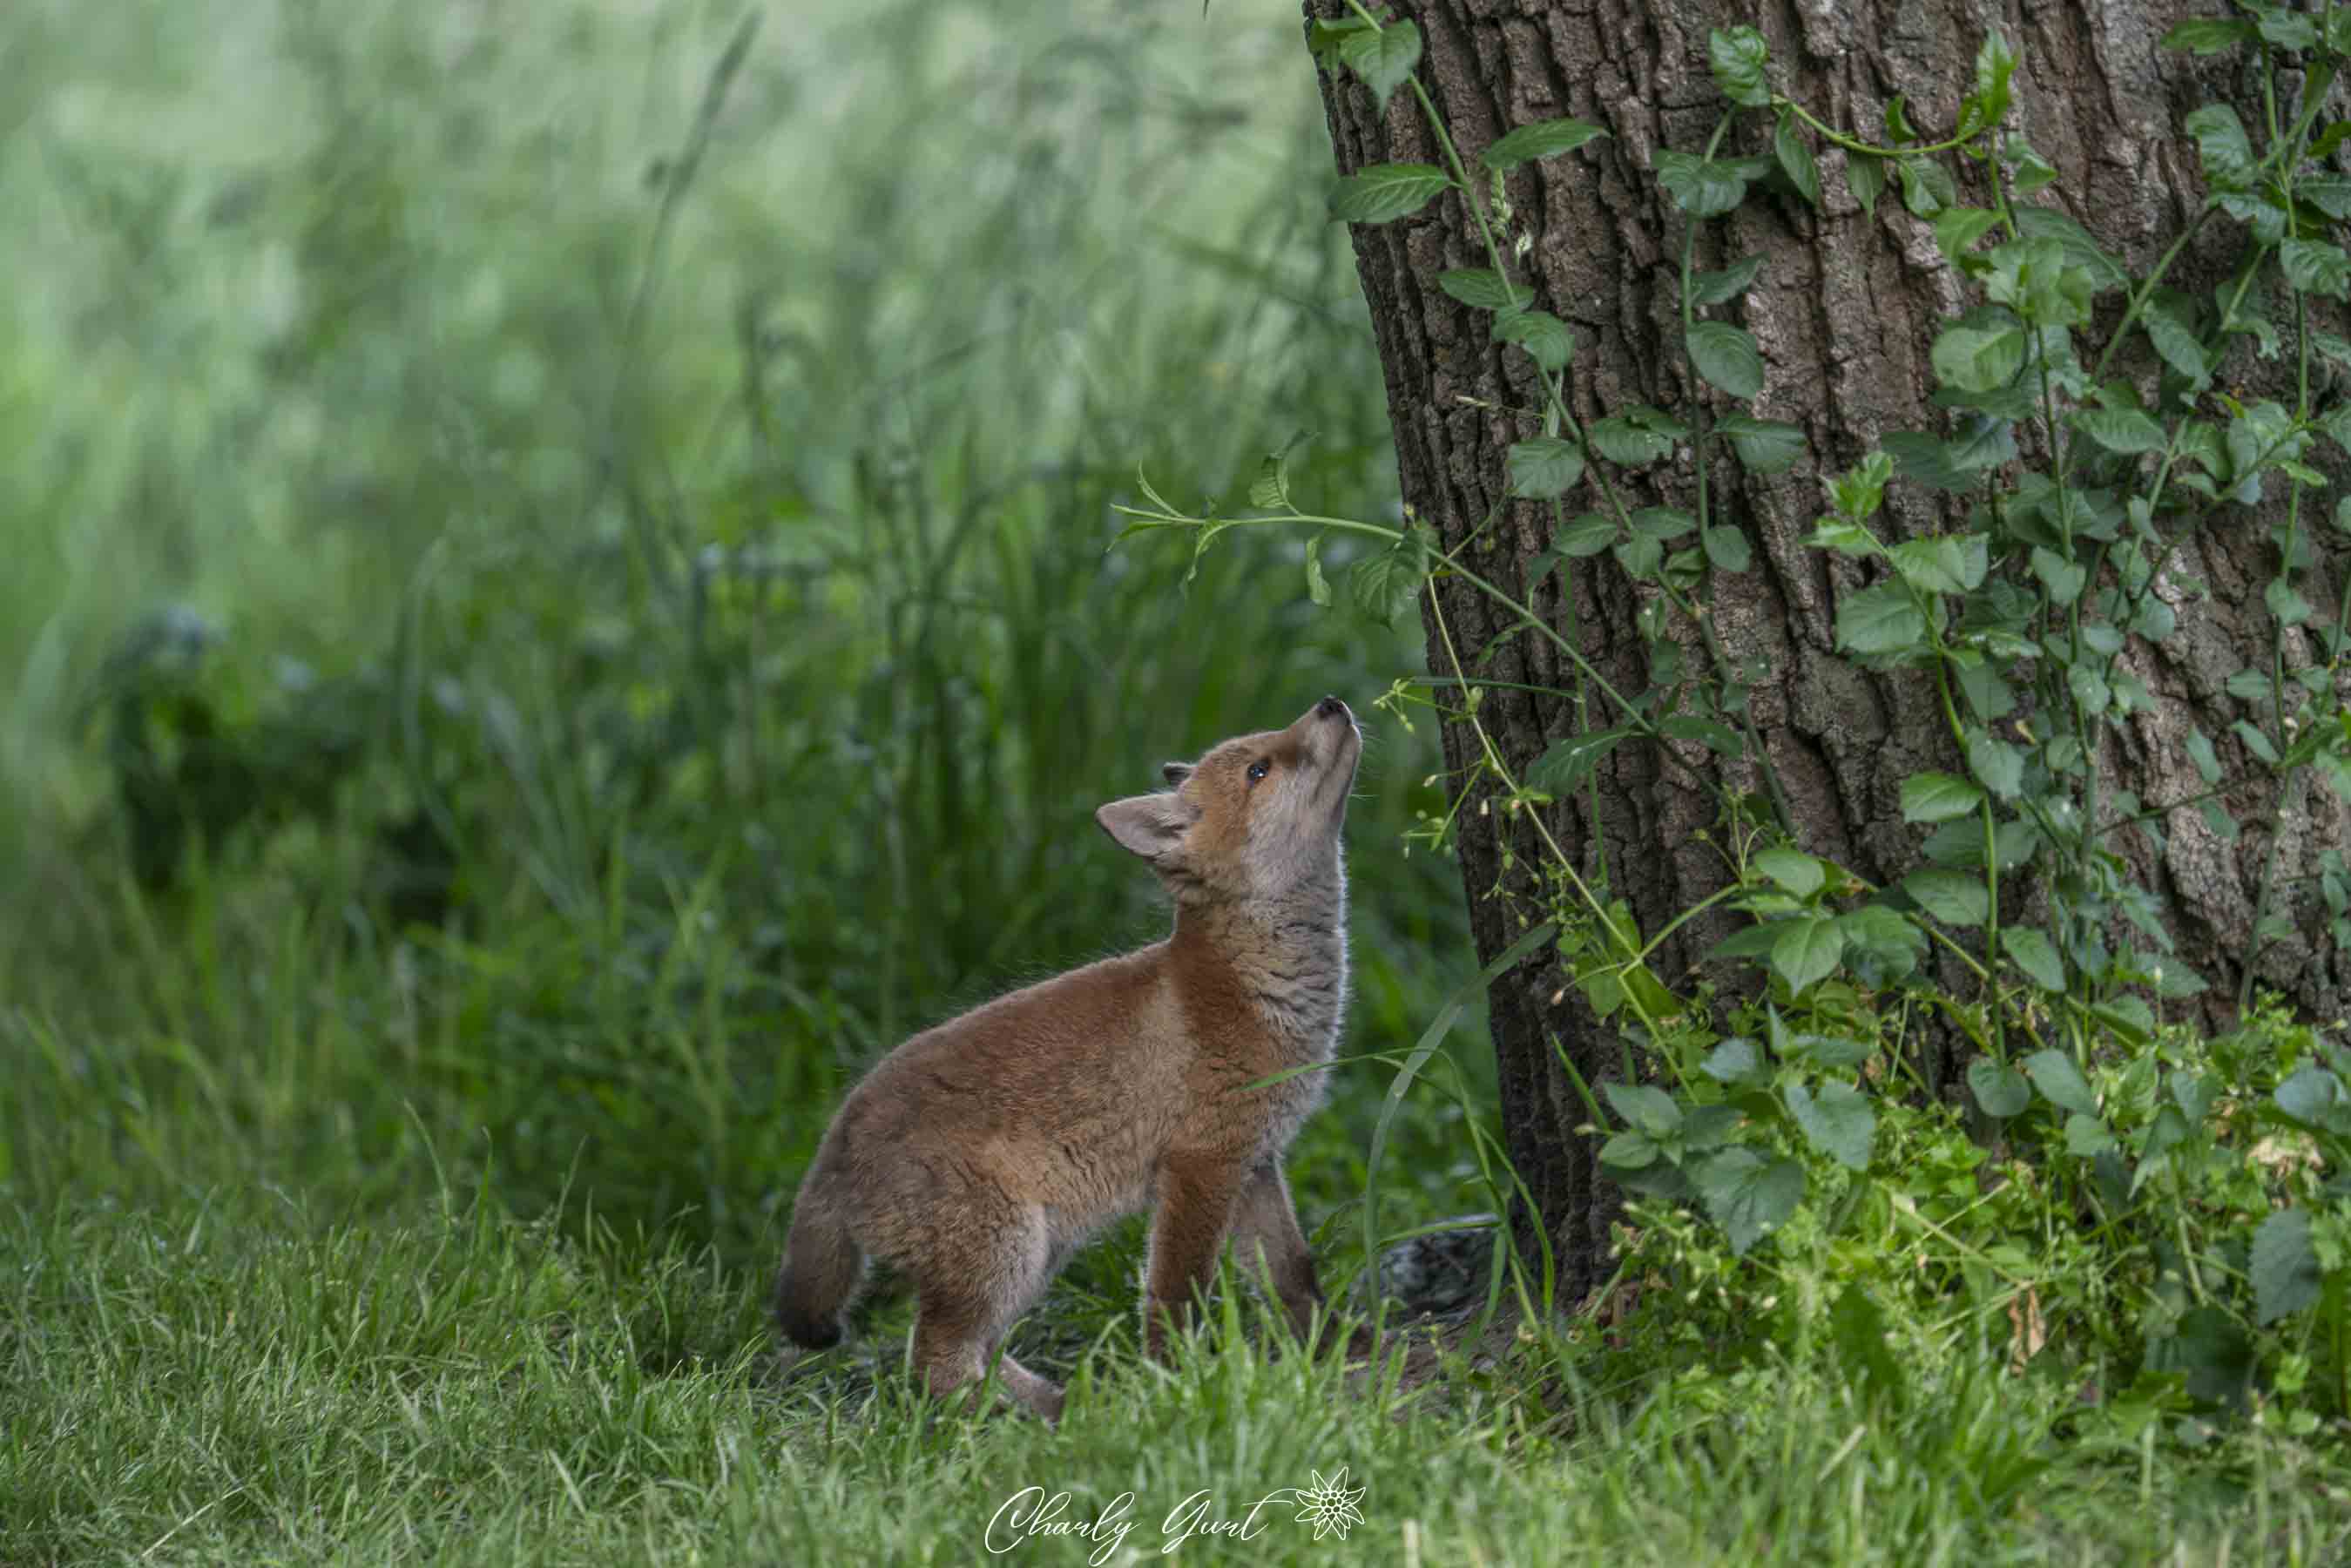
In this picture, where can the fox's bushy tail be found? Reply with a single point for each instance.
(823, 1267)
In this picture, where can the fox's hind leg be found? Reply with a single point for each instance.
(965, 1305)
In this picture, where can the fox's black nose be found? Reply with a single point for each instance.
(1331, 708)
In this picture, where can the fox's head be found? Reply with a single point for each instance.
(1258, 815)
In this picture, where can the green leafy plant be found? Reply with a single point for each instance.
(2073, 485)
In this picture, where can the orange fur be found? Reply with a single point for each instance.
(979, 1154)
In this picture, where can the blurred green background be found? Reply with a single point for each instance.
(558, 593)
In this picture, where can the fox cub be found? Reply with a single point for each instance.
(978, 1156)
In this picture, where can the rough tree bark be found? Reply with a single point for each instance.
(1845, 313)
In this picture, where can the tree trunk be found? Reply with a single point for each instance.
(1846, 309)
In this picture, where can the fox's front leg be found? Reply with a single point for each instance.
(1196, 1210)
(1266, 1236)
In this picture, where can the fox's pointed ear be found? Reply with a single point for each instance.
(1146, 825)
(1174, 772)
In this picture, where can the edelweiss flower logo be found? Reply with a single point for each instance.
(1329, 1505)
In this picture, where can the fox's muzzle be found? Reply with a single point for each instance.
(1313, 729)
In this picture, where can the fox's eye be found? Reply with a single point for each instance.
(1258, 769)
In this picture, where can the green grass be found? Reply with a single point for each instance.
(521, 670)
(247, 1379)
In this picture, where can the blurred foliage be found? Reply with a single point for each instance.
(558, 582)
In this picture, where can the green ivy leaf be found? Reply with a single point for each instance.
(1926, 186)
(1544, 467)
(1483, 288)
(1318, 588)
(1987, 696)
(1384, 585)
(1586, 534)
(1703, 189)
(1543, 139)
(1898, 129)
(2283, 1266)
(1649, 1109)
(1938, 797)
(1797, 871)
(2166, 1133)
(1765, 445)
(1952, 897)
(2123, 429)
(1796, 162)
(2286, 29)
(1621, 440)
(2079, 249)
(2033, 276)
(2248, 684)
(1977, 358)
(2031, 170)
(1561, 769)
(1956, 229)
(1386, 191)
(1383, 57)
(1715, 288)
(1725, 356)
(1661, 523)
(1640, 556)
(2167, 327)
(2063, 577)
(2315, 1098)
(2255, 742)
(1998, 766)
(1727, 548)
(2090, 692)
(2060, 1082)
(1998, 1089)
(1544, 336)
(1995, 64)
(1807, 950)
(2032, 952)
(2330, 193)
(1945, 564)
(2195, 1094)
(1736, 1061)
(1866, 177)
(1845, 539)
(2290, 608)
(1737, 56)
(1938, 465)
(2222, 142)
(2128, 1016)
(1749, 942)
(1324, 39)
(2209, 36)
(1881, 620)
(1881, 944)
(1714, 734)
(1747, 1197)
(2267, 219)
(2086, 1137)
(1629, 1151)
(2316, 267)
(2199, 752)
(1838, 1122)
